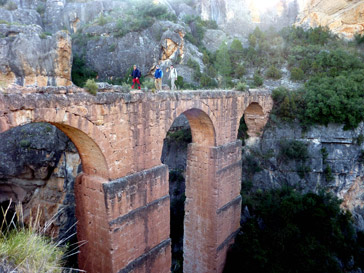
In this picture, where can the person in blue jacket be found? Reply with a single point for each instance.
(158, 75)
(136, 74)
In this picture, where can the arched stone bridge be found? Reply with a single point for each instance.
(122, 198)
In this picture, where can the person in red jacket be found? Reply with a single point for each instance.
(136, 74)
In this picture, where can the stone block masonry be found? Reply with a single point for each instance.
(122, 197)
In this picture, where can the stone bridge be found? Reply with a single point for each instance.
(122, 195)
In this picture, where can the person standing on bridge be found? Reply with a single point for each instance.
(136, 74)
(158, 75)
(173, 77)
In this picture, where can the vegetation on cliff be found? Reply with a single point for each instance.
(292, 232)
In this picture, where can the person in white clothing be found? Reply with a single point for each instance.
(173, 77)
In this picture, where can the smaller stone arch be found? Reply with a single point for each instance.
(255, 119)
(92, 158)
(202, 128)
(82, 133)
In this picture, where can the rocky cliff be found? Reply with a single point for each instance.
(322, 158)
(38, 167)
(343, 17)
(38, 38)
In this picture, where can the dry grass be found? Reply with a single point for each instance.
(27, 249)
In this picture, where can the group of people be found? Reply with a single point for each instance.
(158, 75)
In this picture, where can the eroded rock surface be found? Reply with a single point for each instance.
(334, 163)
(344, 17)
(38, 167)
(28, 56)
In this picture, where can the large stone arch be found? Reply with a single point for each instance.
(82, 133)
(202, 123)
(255, 119)
(255, 109)
(91, 213)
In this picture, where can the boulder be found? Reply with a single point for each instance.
(30, 57)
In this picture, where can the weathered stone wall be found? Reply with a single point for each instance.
(126, 222)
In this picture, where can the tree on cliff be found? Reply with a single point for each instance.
(291, 232)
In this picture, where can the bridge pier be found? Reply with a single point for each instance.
(92, 226)
(213, 205)
(126, 222)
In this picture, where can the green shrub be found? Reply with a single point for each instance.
(360, 139)
(179, 82)
(293, 232)
(286, 103)
(80, 71)
(32, 251)
(236, 51)
(206, 81)
(112, 47)
(324, 154)
(239, 71)
(193, 64)
(148, 83)
(211, 71)
(241, 86)
(243, 130)
(223, 63)
(361, 157)
(198, 29)
(91, 86)
(251, 165)
(24, 143)
(273, 73)
(27, 248)
(101, 21)
(297, 74)
(328, 174)
(257, 79)
(41, 8)
(359, 38)
(43, 35)
(11, 5)
(180, 136)
(337, 99)
(293, 150)
(302, 169)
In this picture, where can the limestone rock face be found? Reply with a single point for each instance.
(30, 57)
(20, 16)
(242, 16)
(112, 56)
(38, 168)
(342, 159)
(213, 39)
(344, 17)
